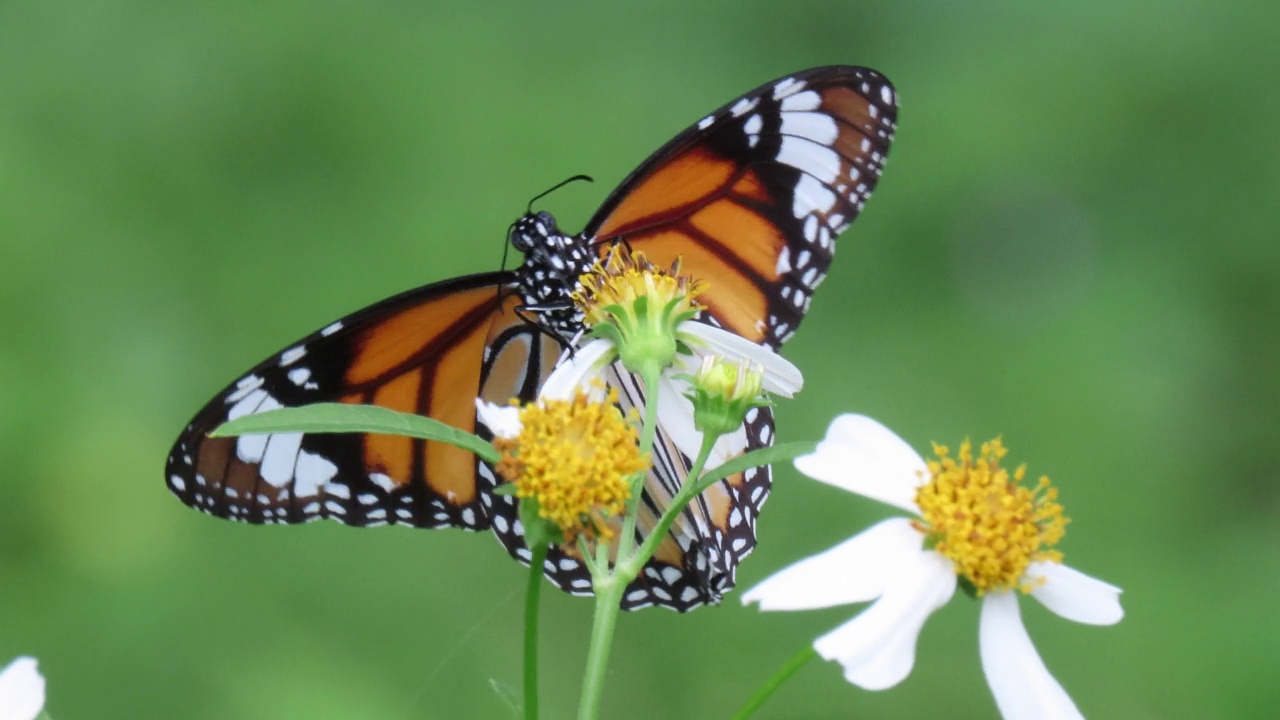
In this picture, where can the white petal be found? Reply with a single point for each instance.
(588, 363)
(1074, 595)
(878, 648)
(21, 690)
(1022, 685)
(862, 456)
(856, 570)
(502, 420)
(675, 416)
(780, 376)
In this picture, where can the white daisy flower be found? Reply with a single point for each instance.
(21, 690)
(975, 524)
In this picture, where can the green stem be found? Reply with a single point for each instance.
(650, 428)
(648, 432)
(687, 492)
(531, 631)
(608, 602)
(609, 585)
(783, 674)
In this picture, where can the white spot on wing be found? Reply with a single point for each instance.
(705, 122)
(331, 329)
(246, 404)
(812, 195)
(817, 127)
(281, 454)
(245, 386)
(787, 86)
(312, 472)
(784, 261)
(817, 160)
(744, 106)
(810, 232)
(299, 375)
(382, 481)
(249, 448)
(292, 355)
(809, 100)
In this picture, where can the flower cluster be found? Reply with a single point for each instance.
(573, 457)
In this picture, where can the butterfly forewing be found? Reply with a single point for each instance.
(752, 196)
(422, 352)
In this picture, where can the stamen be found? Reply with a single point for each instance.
(621, 277)
(574, 457)
(990, 525)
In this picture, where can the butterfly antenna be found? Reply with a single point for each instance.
(506, 245)
(557, 186)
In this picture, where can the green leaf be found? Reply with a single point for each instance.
(509, 696)
(344, 418)
(764, 456)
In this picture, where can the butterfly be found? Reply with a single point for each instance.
(751, 197)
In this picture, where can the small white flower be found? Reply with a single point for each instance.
(891, 564)
(21, 690)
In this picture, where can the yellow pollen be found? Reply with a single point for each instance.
(985, 521)
(574, 457)
(621, 277)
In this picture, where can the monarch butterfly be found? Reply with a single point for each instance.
(751, 197)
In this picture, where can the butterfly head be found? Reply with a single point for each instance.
(532, 231)
(549, 253)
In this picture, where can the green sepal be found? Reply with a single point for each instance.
(537, 529)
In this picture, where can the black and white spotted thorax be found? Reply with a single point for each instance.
(553, 262)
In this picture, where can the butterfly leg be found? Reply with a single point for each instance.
(527, 314)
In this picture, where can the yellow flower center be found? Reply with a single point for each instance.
(988, 524)
(622, 277)
(574, 458)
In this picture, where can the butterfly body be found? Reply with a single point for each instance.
(553, 263)
(750, 198)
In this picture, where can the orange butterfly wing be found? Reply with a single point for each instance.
(753, 196)
(425, 352)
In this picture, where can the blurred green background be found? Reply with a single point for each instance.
(1073, 245)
